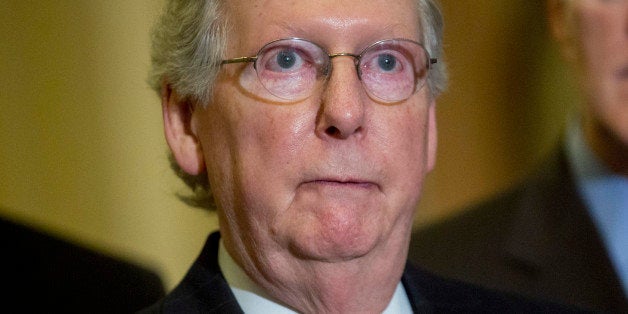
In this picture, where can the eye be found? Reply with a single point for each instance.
(284, 59)
(291, 68)
(386, 62)
(388, 69)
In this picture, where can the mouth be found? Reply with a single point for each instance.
(343, 183)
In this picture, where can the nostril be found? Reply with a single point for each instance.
(335, 132)
(332, 131)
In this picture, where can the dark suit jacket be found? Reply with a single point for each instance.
(204, 290)
(41, 273)
(536, 239)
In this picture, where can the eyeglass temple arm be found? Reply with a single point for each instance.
(239, 60)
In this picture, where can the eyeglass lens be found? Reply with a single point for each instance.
(390, 70)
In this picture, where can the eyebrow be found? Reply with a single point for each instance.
(386, 32)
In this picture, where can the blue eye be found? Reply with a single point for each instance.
(386, 62)
(286, 59)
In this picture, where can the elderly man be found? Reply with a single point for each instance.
(562, 233)
(313, 122)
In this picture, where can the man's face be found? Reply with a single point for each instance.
(600, 52)
(329, 178)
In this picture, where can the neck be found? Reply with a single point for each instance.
(344, 289)
(365, 284)
(607, 146)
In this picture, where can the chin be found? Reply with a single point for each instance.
(335, 243)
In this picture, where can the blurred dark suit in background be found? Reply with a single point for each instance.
(43, 273)
(536, 239)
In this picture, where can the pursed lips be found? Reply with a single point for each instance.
(348, 183)
(336, 183)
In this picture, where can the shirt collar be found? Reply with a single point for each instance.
(583, 162)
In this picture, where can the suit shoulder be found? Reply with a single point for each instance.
(442, 295)
(484, 219)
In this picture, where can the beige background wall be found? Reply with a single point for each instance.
(82, 153)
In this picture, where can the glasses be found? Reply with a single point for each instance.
(292, 69)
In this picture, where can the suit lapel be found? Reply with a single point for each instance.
(548, 212)
(203, 289)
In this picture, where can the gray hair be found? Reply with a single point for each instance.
(188, 44)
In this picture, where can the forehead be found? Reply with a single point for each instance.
(336, 24)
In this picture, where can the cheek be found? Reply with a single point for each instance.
(406, 146)
(217, 137)
(601, 30)
(272, 143)
(267, 152)
(412, 130)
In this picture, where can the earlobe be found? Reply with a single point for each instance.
(181, 139)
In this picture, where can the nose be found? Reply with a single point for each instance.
(342, 111)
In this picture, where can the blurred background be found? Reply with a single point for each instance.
(82, 152)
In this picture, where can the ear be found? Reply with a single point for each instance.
(179, 133)
(432, 136)
(561, 26)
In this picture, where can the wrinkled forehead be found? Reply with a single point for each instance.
(337, 24)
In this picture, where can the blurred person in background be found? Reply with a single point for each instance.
(562, 233)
